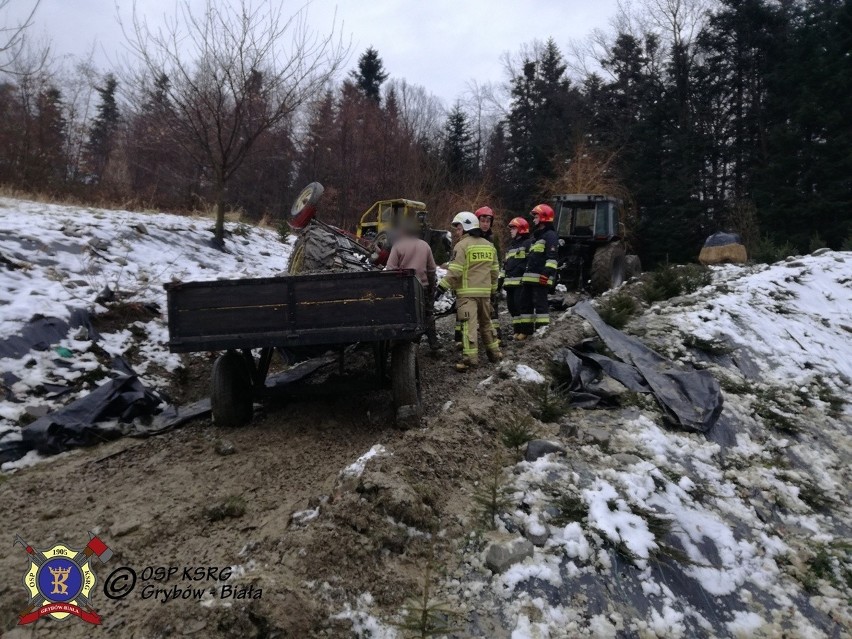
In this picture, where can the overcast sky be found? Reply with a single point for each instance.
(441, 44)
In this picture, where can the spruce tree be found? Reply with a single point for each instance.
(370, 74)
(459, 153)
(104, 125)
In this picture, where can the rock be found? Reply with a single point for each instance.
(502, 554)
(596, 435)
(224, 447)
(37, 411)
(264, 253)
(98, 244)
(626, 459)
(539, 536)
(123, 528)
(609, 387)
(120, 261)
(82, 333)
(567, 429)
(141, 228)
(106, 295)
(821, 251)
(539, 448)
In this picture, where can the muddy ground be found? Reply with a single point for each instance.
(203, 496)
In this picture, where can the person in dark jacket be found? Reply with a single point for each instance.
(540, 272)
(513, 271)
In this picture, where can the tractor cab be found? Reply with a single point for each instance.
(386, 215)
(591, 253)
(592, 218)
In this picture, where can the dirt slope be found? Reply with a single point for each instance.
(149, 500)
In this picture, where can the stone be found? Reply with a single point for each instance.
(608, 387)
(37, 411)
(596, 435)
(567, 429)
(81, 334)
(502, 554)
(626, 459)
(141, 228)
(122, 528)
(120, 261)
(538, 537)
(821, 251)
(224, 447)
(539, 448)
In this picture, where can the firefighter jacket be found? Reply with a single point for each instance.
(473, 270)
(541, 257)
(496, 242)
(516, 260)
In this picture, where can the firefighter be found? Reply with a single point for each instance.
(513, 271)
(540, 272)
(410, 252)
(485, 215)
(472, 274)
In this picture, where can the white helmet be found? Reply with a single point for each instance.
(467, 220)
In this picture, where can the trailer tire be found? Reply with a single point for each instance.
(405, 382)
(607, 268)
(231, 392)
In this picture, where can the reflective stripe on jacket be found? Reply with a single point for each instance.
(473, 270)
(516, 260)
(542, 255)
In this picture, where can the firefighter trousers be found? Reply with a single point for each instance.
(474, 313)
(535, 309)
(513, 303)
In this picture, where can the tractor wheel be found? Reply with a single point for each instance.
(305, 206)
(607, 268)
(297, 258)
(231, 392)
(632, 266)
(405, 381)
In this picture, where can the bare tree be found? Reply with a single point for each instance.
(13, 42)
(235, 70)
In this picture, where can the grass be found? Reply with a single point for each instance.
(616, 310)
(571, 508)
(672, 281)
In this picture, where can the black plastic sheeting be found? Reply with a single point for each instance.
(723, 239)
(78, 423)
(689, 398)
(41, 333)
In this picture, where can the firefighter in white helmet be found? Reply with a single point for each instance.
(472, 274)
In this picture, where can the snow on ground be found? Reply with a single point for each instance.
(58, 258)
(662, 533)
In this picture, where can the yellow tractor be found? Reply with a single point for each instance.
(385, 215)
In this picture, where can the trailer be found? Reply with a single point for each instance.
(300, 316)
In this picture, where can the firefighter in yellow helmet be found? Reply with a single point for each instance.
(472, 274)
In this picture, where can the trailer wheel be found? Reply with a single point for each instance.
(607, 268)
(405, 381)
(231, 392)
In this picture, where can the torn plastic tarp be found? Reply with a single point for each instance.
(111, 411)
(689, 398)
(81, 423)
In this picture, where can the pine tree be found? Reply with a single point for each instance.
(370, 74)
(104, 126)
(459, 153)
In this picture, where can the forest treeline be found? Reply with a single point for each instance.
(736, 116)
